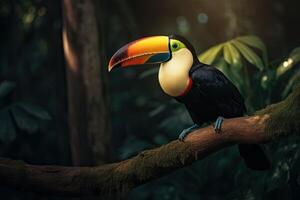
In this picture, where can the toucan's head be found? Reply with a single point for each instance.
(175, 54)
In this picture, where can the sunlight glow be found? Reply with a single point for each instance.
(265, 78)
(69, 53)
(288, 62)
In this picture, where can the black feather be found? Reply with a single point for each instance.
(213, 95)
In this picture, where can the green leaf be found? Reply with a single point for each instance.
(6, 88)
(256, 42)
(7, 129)
(24, 121)
(294, 80)
(289, 63)
(264, 82)
(157, 110)
(209, 56)
(249, 54)
(231, 55)
(279, 177)
(227, 54)
(222, 65)
(34, 110)
(296, 53)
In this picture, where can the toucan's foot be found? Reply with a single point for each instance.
(218, 124)
(186, 131)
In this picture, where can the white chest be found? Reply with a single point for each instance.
(173, 75)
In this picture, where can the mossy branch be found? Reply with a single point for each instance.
(117, 179)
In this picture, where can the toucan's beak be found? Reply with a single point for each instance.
(148, 50)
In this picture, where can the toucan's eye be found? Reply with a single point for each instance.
(175, 45)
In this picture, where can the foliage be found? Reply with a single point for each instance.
(32, 84)
(17, 116)
(237, 60)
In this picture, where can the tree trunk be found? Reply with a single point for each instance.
(89, 121)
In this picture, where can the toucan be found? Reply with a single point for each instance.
(206, 92)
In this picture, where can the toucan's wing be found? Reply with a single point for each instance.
(215, 87)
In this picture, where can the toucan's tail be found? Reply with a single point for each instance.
(254, 157)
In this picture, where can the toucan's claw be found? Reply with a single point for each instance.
(186, 131)
(182, 135)
(218, 124)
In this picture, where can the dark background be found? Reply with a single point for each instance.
(32, 61)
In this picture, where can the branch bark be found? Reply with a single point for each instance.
(114, 180)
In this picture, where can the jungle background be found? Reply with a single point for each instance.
(39, 118)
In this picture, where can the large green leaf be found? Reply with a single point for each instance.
(249, 54)
(209, 56)
(233, 49)
(289, 63)
(7, 129)
(6, 87)
(24, 121)
(34, 110)
(222, 65)
(256, 42)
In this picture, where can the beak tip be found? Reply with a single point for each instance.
(110, 66)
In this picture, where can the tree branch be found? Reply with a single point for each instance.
(118, 178)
